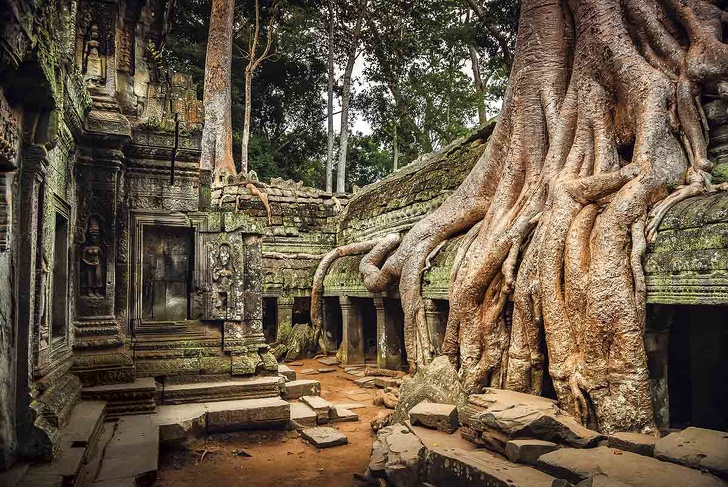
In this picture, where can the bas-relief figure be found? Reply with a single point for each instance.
(94, 57)
(93, 260)
(222, 273)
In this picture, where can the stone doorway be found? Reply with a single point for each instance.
(270, 327)
(167, 264)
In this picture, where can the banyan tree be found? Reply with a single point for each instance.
(601, 132)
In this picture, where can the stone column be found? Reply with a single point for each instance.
(436, 323)
(389, 346)
(353, 331)
(284, 315)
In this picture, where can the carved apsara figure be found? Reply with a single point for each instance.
(43, 298)
(92, 258)
(94, 59)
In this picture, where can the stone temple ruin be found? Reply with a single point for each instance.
(132, 280)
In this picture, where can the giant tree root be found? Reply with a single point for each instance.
(601, 116)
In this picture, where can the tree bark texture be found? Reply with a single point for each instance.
(345, 100)
(601, 116)
(330, 105)
(217, 142)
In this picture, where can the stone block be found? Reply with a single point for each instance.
(324, 437)
(697, 448)
(181, 421)
(339, 413)
(634, 442)
(271, 412)
(302, 415)
(442, 417)
(287, 372)
(575, 465)
(299, 388)
(528, 450)
(366, 382)
(320, 405)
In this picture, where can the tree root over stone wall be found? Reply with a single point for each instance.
(601, 117)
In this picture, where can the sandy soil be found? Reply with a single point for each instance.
(278, 458)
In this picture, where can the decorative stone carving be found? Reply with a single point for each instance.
(226, 282)
(93, 259)
(95, 40)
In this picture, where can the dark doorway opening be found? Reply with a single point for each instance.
(301, 310)
(369, 328)
(332, 322)
(270, 319)
(697, 368)
(60, 278)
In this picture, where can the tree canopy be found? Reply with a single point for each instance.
(413, 86)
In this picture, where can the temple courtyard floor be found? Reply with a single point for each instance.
(277, 457)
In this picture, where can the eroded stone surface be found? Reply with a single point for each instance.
(302, 387)
(500, 415)
(271, 412)
(303, 415)
(287, 372)
(180, 421)
(443, 417)
(576, 465)
(320, 405)
(634, 442)
(697, 448)
(528, 450)
(132, 452)
(324, 436)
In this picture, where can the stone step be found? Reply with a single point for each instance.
(78, 442)
(697, 448)
(244, 388)
(296, 389)
(124, 399)
(324, 436)
(131, 457)
(181, 421)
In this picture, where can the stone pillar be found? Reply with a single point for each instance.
(436, 319)
(353, 331)
(101, 315)
(284, 315)
(389, 345)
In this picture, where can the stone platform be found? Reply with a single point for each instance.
(124, 399)
(232, 389)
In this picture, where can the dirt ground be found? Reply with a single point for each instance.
(278, 458)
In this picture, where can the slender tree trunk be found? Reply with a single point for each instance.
(395, 149)
(330, 105)
(345, 100)
(479, 85)
(217, 144)
(246, 121)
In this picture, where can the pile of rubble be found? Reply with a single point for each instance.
(512, 439)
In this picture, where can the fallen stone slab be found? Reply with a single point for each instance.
(329, 360)
(287, 372)
(326, 370)
(295, 363)
(696, 448)
(528, 450)
(397, 454)
(302, 415)
(324, 436)
(598, 481)
(320, 405)
(452, 460)
(442, 417)
(180, 421)
(634, 442)
(365, 382)
(270, 412)
(339, 413)
(351, 405)
(309, 371)
(575, 465)
(499, 415)
(302, 387)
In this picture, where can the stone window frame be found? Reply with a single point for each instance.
(58, 345)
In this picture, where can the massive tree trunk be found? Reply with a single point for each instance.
(217, 142)
(601, 116)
